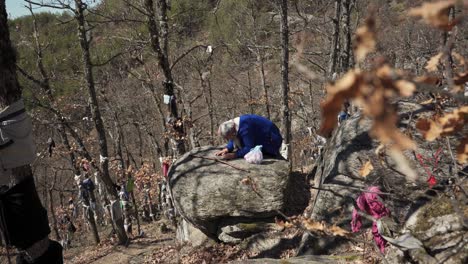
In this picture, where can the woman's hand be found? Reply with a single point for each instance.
(229, 156)
(222, 152)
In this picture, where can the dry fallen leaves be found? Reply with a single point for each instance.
(366, 169)
(316, 226)
(365, 40)
(338, 231)
(435, 14)
(246, 181)
(283, 224)
(444, 125)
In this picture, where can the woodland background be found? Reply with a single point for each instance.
(225, 58)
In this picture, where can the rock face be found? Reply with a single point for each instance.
(427, 213)
(210, 195)
(349, 148)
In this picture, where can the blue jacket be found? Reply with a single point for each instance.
(256, 130)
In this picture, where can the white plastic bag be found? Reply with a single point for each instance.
(255, 155)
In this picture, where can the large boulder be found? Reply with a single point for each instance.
(215, 197)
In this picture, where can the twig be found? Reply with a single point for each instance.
(221, 161)
(453, 159)
(352, 188)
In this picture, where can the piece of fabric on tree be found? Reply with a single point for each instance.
(370, 202)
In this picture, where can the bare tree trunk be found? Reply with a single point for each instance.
(446, 46)
(206, 88)
(286, 122)
(264, 86)
(346, 63)
(96, 115)
(161, 114)
(159, 44)
(137, 216)
(250, 93)
(52, 209)
(334, 47)
(45, 85)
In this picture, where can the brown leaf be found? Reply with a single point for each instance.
(460, 79)
(429, 129)
(312, 225)
(345, 88)
(246, 181)
(366, 169)
(402, 164)
(428, 101)
(338, 231)
(447, 124)
(462, 151)
(434, 62)
(459, 58)
(435, 14)
(405, 88)
(365, 40)
(386, 130)
(431, 80)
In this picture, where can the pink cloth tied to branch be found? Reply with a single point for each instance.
(370, 203)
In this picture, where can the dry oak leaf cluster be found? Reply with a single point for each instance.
(372, 90)
(313, 226)
(316, 226)
(366, 169)
(435, 14)
(448, 124)
(365, 39)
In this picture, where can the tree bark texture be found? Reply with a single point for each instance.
(96, 114)
(346, 63)
(45, 85)
(286, 122)
(159, 44)
(334, 47)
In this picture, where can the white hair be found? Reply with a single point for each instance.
(226, 127)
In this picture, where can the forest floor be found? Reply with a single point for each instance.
(158, 245)
(139, 250)
(161, 247)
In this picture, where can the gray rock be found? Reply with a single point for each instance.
(348, 149)
(234, 231)
(186, 232)
(262, 243)
(206, 191)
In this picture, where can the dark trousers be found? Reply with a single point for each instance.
(23, 218)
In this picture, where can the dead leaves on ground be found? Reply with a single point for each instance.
(435, 14)
(366, 169)
(313, 226)
(322, 227)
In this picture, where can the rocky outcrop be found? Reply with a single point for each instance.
(439, 230)
(349, 148)
(215, 197)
